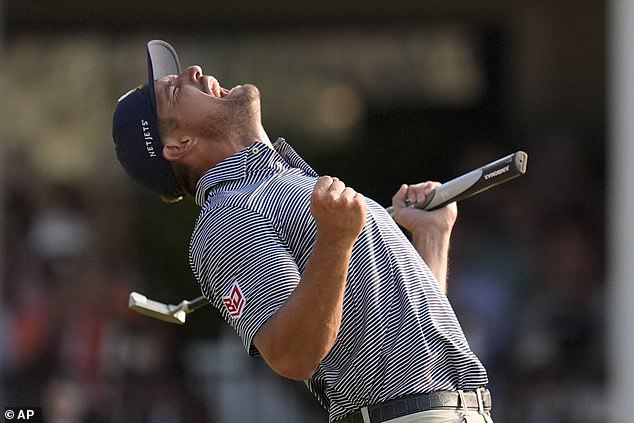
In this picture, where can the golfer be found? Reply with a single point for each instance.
(313, 276)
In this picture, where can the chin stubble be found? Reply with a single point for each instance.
(235, 120)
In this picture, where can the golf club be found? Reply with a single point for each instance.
(166, 312)
(467, 185)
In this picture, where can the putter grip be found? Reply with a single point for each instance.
(474, 182)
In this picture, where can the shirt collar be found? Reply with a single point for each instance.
(257, 156)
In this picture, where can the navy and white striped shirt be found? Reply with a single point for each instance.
(251, 242)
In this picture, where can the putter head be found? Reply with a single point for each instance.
(166, 312)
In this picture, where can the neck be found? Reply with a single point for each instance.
(243, 138)
(214, 152)
(263, 137)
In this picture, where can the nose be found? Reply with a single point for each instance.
(193, 73)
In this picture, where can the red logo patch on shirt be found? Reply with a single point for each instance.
(234, 302)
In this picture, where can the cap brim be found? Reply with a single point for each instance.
(162, 61)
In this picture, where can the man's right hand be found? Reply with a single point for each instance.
(303, 331)
(339, 211)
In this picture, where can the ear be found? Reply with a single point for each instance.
(176, 149)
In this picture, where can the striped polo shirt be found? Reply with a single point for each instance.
(250, 244)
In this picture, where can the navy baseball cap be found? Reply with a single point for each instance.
(135, 127)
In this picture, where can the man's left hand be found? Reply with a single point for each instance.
(416, 220)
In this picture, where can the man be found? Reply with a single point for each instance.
(314, 277)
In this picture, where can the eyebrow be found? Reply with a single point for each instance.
(167, 86)
(165, 89)
(164, 93)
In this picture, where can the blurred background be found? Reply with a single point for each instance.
(377, 93)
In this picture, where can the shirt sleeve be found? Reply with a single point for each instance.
(245, 269)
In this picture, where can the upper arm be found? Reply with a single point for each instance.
(244, 267)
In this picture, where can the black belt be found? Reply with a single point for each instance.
(423, 402)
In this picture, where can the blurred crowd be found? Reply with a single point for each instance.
(373, 104)
(70, 345)
(526, 281)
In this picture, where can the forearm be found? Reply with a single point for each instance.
(433, 246)
(431, 230)
(304, 329)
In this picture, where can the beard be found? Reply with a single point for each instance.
(238, 117)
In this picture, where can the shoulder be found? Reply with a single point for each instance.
(223, 224)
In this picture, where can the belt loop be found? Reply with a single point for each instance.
(462, 402)
(365, 415)
(481, 410)
(480, 400)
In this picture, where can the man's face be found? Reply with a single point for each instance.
(202, 107)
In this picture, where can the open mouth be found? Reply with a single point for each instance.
(211, 86)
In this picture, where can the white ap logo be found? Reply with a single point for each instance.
(19, 414)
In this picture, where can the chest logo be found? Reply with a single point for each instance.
(234, 302)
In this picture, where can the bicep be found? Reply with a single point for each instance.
(246, 270)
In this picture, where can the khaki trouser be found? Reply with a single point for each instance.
(445, 416)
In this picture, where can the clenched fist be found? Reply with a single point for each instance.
(339, 211)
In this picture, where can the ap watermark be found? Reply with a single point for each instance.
(23, 414)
